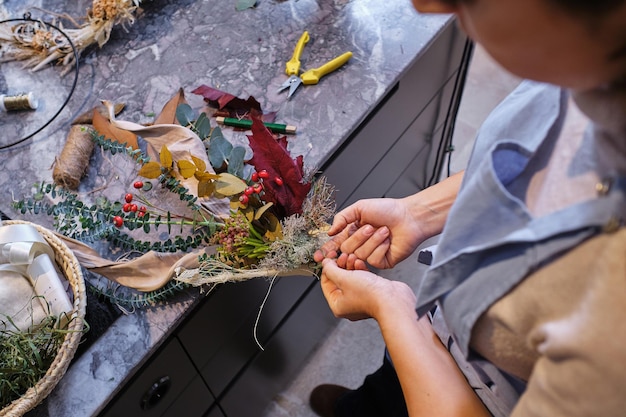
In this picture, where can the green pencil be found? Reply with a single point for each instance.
(247, 124)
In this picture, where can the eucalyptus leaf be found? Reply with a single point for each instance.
(216, 133)
(203, 126)
(244, 4)
(236, 162)
(184, 114)
(219, 150)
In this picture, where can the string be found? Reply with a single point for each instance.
(258, 317)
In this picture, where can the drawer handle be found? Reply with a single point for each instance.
(156, 392)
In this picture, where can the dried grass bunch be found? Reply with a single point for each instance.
(38, 44)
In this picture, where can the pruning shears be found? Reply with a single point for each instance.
(312, 76)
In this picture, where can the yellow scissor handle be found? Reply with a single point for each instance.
(313, 76)
(293, 65)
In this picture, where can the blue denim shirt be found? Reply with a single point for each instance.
(491, 241)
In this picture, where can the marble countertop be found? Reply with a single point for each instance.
(184, 44)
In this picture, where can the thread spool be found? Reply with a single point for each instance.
(74, 159)
(25, 101)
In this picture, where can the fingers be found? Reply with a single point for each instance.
(345, 217)
(331, 248)
(369, 244)
(365, 240)
(348, 293)
(351, 262)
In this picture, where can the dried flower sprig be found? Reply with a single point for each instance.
(38, 44)
(302, 235)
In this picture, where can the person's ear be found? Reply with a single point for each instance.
(435, 6)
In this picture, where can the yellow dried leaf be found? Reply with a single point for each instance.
(165, 157)
(186, 168)
(274, 230)
(200, 164)
(150, 170)
(228, 184)
(259, 213)
(205, 176)
(248, 212)
(206, 188)
(235, 205)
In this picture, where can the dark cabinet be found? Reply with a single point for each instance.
(220, 337)
(167, 383)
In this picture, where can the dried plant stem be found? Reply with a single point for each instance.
(213, 271)
(38, 44)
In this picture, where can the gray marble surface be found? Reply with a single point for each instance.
(183, 44)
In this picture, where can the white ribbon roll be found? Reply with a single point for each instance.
(25, 252)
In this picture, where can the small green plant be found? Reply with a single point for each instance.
(26, 356)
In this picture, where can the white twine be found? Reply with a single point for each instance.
(258, 316)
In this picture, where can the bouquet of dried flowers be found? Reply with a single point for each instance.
(238, 217)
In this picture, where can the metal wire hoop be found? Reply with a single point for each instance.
(27, 18)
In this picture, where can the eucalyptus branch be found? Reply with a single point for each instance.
(90, 223)
(140, 300)
(115, 147)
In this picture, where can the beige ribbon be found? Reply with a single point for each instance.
(26, 256)
(148, 272)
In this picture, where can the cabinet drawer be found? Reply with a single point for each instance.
(158, 384)
(282, 358)
(215, 412)
(194, 401)
(220, 336)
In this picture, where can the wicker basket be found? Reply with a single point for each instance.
(68, 263)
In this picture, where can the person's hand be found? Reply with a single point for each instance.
(381, 232)
(357, 295)
(384, 231)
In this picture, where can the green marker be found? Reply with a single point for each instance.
(247, 124)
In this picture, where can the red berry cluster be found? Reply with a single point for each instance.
(130, 207)
(257, 187)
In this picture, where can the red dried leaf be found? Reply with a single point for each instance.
(272, 155)
(235, 106)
